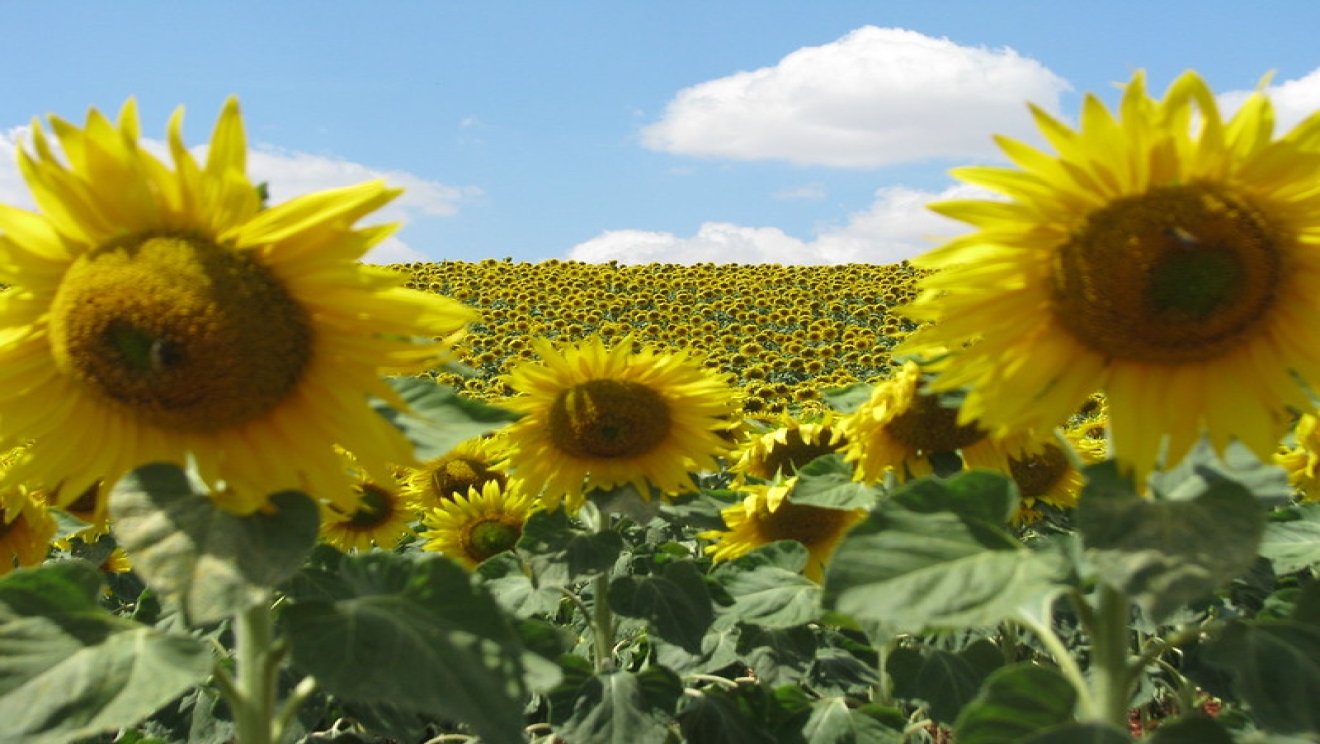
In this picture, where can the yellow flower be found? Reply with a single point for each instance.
(469, 465)
(763, 518)
(1302, 461)
(480, 524)
(1167, 257)
(898, 429)
(158, 314)
(598, 417)
(1043, 471)
(789, 445)
(381, 518)
(26, 530)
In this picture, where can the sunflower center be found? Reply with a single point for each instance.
(179, 331)
(375, 508)
(1036, 474)
(455, 476)
(1175, 275)
(929, 426)
(809, 525)
(608, 419)
(490, 538)
(792, 455)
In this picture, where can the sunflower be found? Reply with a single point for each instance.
(1046, 475)
(381, 517)
(1302, 460)
(764, 517)
(598, 417)
(160, 314)
(787, 445)
(899, 429)
(26, 530)
(480, 524)
(1167, 257)
(469, 465)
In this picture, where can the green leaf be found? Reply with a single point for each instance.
(908, 572)
(1202, 467)
(413, 632)
(1016, 702)
(1275, 668)
(833, 722)
(69, 669)
(213, 562)
(438, 419)
(561, 554)
(1196, 729)
(778, 656)
(1162, 553)
(1080, 733)
(623, 708)
(676, 603)
(847, 399)
(979, 495)
(507, 580)
(728, 717)
(768, 594)
(946, 681)
(827, 482)
(1292, 539)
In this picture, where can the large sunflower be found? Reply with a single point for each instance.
(1167, 257)
(598, 417)
(26, 531)
(162, 314)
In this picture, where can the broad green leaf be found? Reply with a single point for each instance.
(1193, 730)
(778, 656)
(839, 673)
(980, 495)
(833, 722)
(847, 399)
(413, 632)
(623, 707)
(1163, 553)
(213, 562)
(507, 580)
(1080, 733)
(1202, 468)
(69, 669)
(1275, 668)
(728, 717)
(1292, 538)
(438, 419)
(946, 681)
(1016, 702)
(827, 482)
(767, 594)
(907, 572)
(560, 553)
(675, 603)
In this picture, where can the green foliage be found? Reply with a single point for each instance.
(214, 563)
(69, 669)
(436, 418)
(616, 707)
(1016, 703)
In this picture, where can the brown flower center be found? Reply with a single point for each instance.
(609, 419)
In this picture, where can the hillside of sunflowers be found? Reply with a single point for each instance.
(1052, 481)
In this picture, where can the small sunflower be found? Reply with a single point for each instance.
(598, 417)
(162, 314)
(899, 428)
(26, 530)
(1044, 473)
(1167, 257)
(481, 524)
(1302, 460)
(382, 518)
(764, 517)
(469, 465)
(789, 444)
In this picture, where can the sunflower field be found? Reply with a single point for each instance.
(1054, 481)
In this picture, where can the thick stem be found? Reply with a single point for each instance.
(1111, 675)
(1086, 704)
(602, 617)
(253, 701)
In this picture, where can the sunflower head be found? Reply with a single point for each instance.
(175, 318)
(480, 524)
(1163, 255)
(598, 416)
(788, 446)
(469, 465)
(26, 531)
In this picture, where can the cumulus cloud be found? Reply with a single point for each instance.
(291, 173)
(877, 96)
(1294, 100)
(896, 226)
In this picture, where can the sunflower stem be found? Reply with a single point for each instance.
(1111, 675)
(253, 696)
(602, 617)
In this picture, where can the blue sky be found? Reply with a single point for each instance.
(680, 131)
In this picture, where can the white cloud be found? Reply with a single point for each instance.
(1293, 100)
(291, 173)
(896, 226)
(877, 96)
